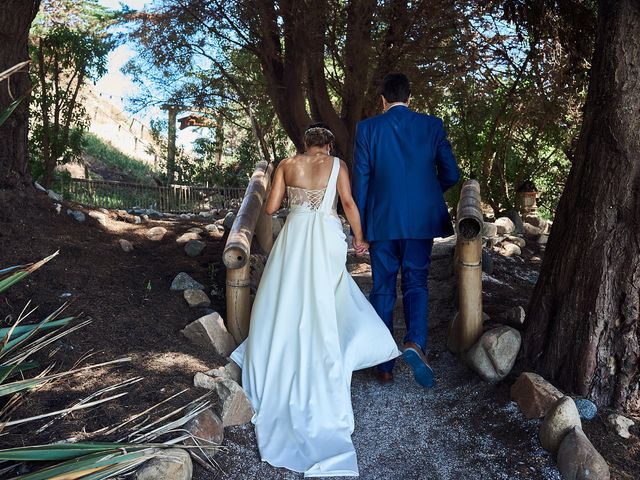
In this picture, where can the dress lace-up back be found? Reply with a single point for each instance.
(304, 197)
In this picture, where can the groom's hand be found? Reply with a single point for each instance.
(361, 246)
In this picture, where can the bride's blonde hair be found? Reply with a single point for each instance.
(318, 137)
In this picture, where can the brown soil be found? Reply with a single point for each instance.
(127, 297)
(134, 314)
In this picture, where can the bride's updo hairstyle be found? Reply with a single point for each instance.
(318, 136)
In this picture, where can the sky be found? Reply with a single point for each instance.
(117, 86)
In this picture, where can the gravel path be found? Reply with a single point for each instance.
(461, 429)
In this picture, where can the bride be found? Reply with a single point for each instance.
(311, 326)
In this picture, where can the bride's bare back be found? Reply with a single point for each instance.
(310, 172)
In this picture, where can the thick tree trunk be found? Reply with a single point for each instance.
(15, 21)
(583, 327)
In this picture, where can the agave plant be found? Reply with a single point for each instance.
(85, 460)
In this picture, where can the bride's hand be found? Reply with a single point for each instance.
(361, 246)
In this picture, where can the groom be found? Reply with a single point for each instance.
(403, 164)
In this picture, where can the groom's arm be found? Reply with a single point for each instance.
(361, 170)
(448, 171)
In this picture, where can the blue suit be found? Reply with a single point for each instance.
(402, 165)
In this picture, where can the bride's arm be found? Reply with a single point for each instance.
(278, 188)
(350, 208)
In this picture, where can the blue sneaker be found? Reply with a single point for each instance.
(422, 372)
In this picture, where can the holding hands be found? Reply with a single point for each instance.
(360, 245)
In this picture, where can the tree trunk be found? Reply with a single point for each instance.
(15, 21)
(583, 327)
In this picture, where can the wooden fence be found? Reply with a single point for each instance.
(172, 198)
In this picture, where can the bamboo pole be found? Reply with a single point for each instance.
(466, 327)
(238, 249)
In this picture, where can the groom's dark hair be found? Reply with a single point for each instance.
(396, 88)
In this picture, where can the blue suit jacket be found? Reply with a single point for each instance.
(403, 164)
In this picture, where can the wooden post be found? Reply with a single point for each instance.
(238, 250)
(171, 144)
(466, 327)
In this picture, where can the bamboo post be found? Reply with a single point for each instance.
(466, 327)
(238, 251)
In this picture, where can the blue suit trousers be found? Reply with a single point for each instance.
(413, 257)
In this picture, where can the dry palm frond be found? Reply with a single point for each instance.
(15, 69)
(20, 274)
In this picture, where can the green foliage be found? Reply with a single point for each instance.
(115, 160)
(65, 55)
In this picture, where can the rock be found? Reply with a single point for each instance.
(58, 208)
(126, 245)
(186, 237)
(561, 419)
(515, 217)
(196, 298)
(103, 210)
(531, 230)
(514, 316)
(537, 222)
(519, 241)
(209, 331)
(509, 249)
(39, 187)
(154, 214)
(489, 229)
(586, 408)
(215, 231)
(193, 248)
(144, 218)
(56, 197)
(620, 424)
(169, 464)
(156, 233)
(136, 219)
(183, 281)
(543, 239)
(534, 395)
(185, 216)
(208, 429)
(487, 262)
(578, 459)
(493, 356)
(195, 230)
(77, 216)
(99, 217)
(504, 226)
(231, 371)
(236, 408)
(229, 218)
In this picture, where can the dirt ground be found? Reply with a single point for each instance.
(467, 429)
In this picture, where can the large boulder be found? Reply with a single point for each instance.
(193, 248)
(532, 230)
(578, 459)
(509, 249)
(209, 332)
(169, 464)
(505, 226)
(183, 281)
(515, 217)
(519, 241)
(196, 298)
(235, 406)
(494, 355)
(489, 229)
(186, 237)
(534, 395)
(561, 419)
(156, 234)
(208, 430)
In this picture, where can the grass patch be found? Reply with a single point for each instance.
(114, 160)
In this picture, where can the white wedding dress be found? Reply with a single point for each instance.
(311, 327)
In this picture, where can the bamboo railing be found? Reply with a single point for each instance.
(466, 327)
(251, 219)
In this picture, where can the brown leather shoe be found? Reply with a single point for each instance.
(383, 377)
